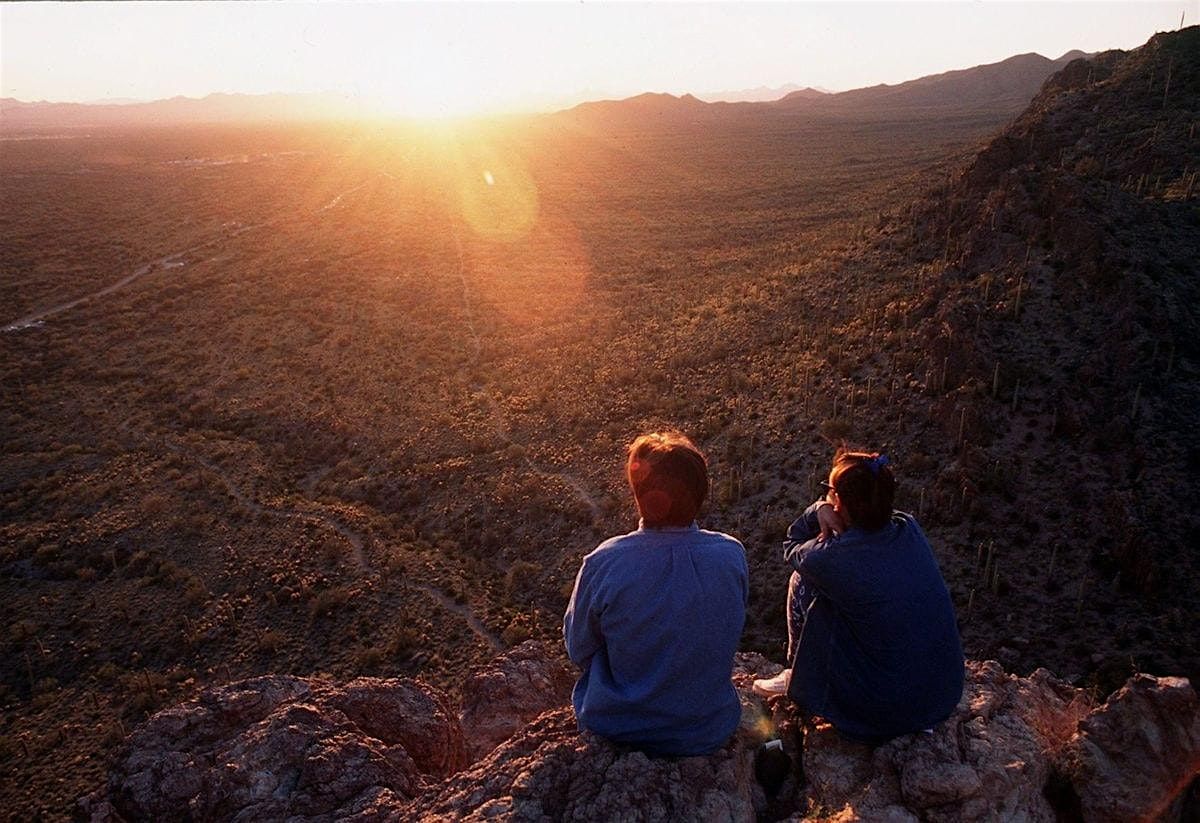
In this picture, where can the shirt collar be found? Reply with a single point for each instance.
(642, 527)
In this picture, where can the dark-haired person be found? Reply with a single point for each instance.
(872, 637)
(656, 614)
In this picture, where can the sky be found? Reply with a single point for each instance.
(431, 59)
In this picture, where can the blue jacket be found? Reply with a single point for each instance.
(880, 655)
(653, 624)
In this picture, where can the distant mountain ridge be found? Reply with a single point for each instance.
(1000, 89)
(213, 108)
(1008, 84)
(1013, 81)
(763, 94)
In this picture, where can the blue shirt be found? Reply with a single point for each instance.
(880, 654)
(653, 623)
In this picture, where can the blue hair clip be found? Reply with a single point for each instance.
(876, 463)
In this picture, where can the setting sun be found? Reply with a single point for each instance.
(438, 60)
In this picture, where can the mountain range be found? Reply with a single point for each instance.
(1008, 84)
(762, 94)
(213, 108)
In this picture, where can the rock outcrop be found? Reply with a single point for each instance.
(1136, 755)
(990, 761)
(276, 746)
(550, 771)
(515, 688)
(279, 747)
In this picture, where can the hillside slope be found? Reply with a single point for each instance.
(1045, 302)
(1010, 82)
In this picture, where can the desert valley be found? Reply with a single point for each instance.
(349, 398)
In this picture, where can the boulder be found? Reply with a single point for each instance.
(503, 696)
(278, 746)
(1134, 757)
(550, 771)
(990, 760)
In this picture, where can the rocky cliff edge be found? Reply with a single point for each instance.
(280, 747)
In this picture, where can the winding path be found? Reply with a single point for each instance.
(464, 611)
(30, 320)
(497, 416)
(356, 540)
(352, 537)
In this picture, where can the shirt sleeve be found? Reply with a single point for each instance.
(801, 535)
(581, 623)
(823, 565)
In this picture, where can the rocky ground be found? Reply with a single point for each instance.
(1016, 748)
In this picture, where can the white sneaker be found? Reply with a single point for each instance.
(773, 686)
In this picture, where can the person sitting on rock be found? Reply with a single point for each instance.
(873, 643)
(656, 614)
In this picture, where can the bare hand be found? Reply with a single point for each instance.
(830, 521)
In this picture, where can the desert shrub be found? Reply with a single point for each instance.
(45, 693)
(518, 630)
(194, 590)
(8, 747)
(46, 555)
(22, 630)
(835, 431)
(520, 575)
(328, 601)
(139, 562)
(269, 641)
(332, 550)
(369, 658)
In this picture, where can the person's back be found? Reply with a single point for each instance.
(880, 654)
(872, 635)
(656, 615)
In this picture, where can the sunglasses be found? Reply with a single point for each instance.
(826, 486)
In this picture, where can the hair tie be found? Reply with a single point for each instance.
(876, 462)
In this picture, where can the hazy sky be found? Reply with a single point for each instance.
(454, 57)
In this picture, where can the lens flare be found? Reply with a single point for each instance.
(496, 194)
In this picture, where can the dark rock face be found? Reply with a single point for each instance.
(286, 748)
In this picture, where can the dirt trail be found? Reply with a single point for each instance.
(338, 199)
(169, 261)
(356, 540)
(497, 415)
(463, 611)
